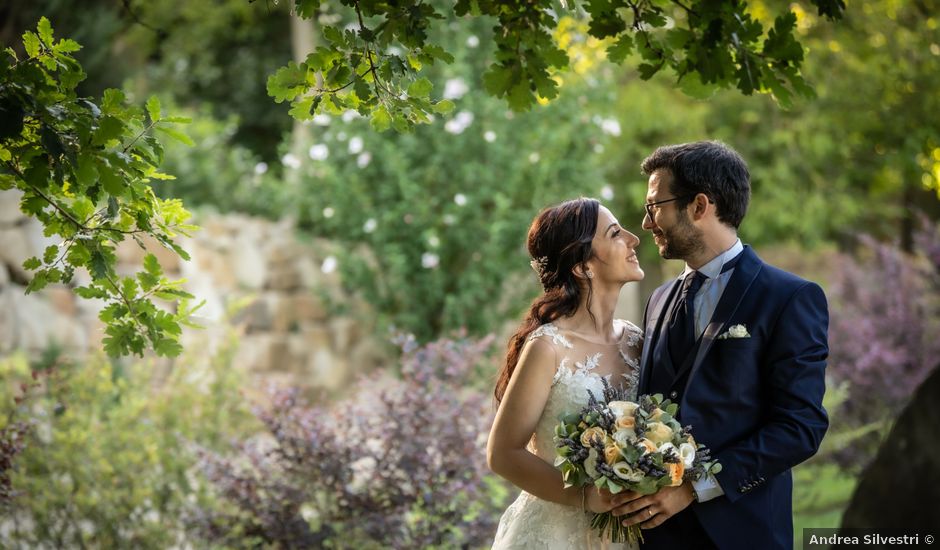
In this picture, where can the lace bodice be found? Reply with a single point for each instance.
(531, 523)
(581, 366)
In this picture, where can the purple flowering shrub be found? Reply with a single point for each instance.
(399, 463)
(12, 442)
(883, 331)
(15, 431)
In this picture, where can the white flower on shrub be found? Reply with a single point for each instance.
(607, 193)
(534, 157)
(261, 168)
(328, 212)
(459, 123)
(355, 145)
(309, 513)
(473, 41)
(429, 260)
(329, 264)
(610, 127)
(460, 199)
(489, 136)
(364, 159)
(319, 151)
(290, 161)
(370, 225)
(321, 119)
(363, 470)
(455, 88)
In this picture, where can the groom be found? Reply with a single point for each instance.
(741, 346)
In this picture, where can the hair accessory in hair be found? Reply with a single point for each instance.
(539, 265)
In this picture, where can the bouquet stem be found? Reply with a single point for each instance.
(611, 526)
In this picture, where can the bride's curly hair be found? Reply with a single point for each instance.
(559, 239)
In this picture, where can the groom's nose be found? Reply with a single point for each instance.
(648, 223)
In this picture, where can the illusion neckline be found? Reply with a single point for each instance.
(618, 343)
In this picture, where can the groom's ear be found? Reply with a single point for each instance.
(700, 205)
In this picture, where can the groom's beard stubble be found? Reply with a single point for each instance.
(683, 240)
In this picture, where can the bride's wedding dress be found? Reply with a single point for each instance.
(533, 523)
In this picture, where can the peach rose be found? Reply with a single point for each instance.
(675, 472)
(646, 446)
(593, 433)
(625, 423)
(611, 454)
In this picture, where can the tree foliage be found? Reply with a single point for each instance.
(376, 64)
(85, 170)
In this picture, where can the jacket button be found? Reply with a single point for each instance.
(673, 395)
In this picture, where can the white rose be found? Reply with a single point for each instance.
(622, 408)
(625, 471)
(590, 464)
(738, 331)
(663, 448)
(624, 437)
(657, 432)
(687, 454)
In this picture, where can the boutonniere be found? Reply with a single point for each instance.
(735, 331)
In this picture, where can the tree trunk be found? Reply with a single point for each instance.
(901, 487)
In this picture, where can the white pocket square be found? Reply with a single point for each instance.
(735, 331)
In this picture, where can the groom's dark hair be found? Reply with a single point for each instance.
(708, 167)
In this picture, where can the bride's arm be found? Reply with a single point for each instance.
(515, 422)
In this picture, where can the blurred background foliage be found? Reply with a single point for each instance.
(846, 190)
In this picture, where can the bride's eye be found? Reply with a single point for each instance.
(615, 234)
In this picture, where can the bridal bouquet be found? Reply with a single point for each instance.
(620, 445)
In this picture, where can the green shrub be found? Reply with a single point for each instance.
(108, 464)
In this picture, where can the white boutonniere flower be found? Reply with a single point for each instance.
(735, 331)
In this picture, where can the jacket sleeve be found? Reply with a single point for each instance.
(793, 369)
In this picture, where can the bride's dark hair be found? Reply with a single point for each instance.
(559, 239)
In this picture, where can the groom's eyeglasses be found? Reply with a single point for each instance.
(649, 206)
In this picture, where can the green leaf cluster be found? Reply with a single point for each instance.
(85, 171)
(374, 69)
(376, 66)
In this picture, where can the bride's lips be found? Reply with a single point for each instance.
(632, 258)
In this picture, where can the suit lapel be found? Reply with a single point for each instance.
(660, 299)
(744, 275)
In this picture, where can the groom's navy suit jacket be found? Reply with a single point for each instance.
(756, 402)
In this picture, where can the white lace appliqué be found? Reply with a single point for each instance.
(590, 363)
(549, 329)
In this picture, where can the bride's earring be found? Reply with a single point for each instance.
(590, 274)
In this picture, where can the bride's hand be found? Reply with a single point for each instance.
(602, 500)
(598, 500)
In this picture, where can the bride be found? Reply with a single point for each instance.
(566, 344)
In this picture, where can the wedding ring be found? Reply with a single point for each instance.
(650, 511)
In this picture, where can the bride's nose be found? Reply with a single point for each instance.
(633, 240)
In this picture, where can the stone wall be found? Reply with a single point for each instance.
(257, 279)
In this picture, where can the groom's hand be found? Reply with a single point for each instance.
(650, 511)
